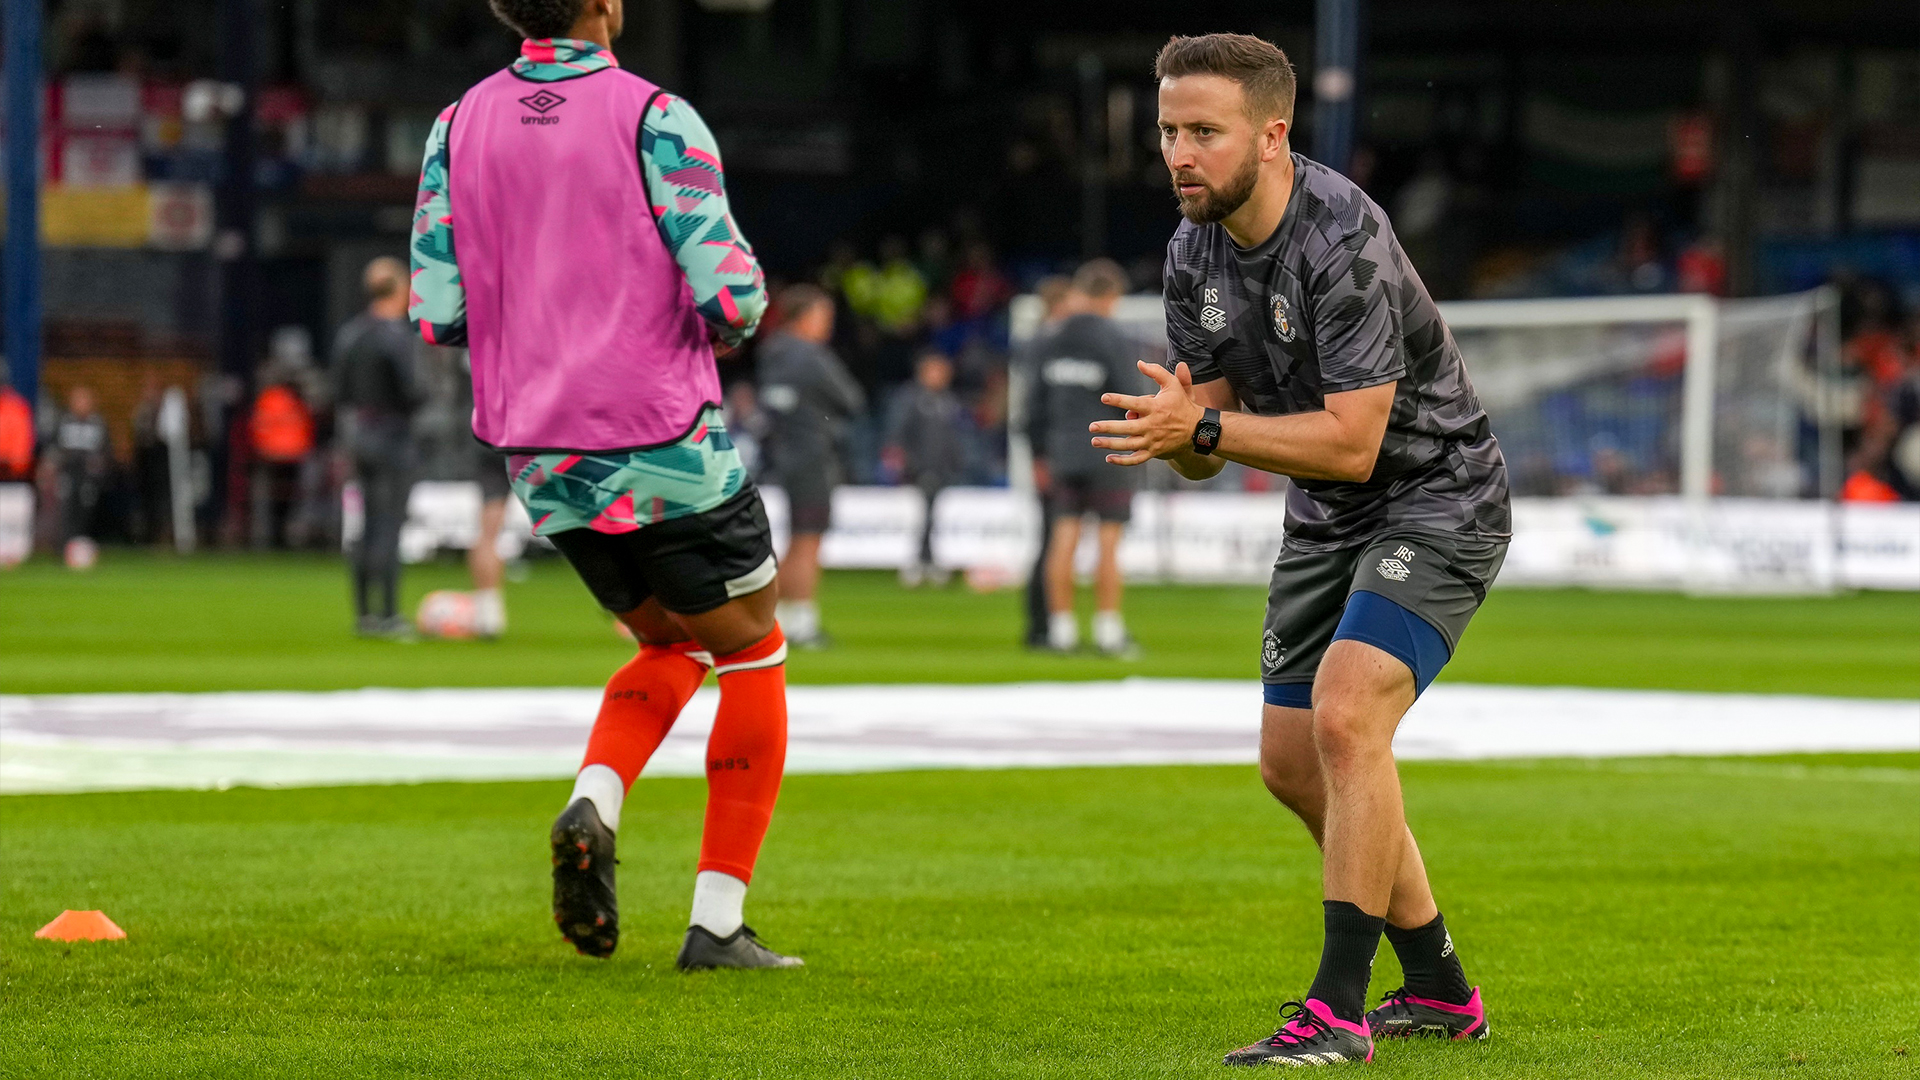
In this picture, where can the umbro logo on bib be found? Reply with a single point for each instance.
(543, 102)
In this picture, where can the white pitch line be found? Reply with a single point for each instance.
(123, 741)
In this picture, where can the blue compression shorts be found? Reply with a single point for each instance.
(1385, 625)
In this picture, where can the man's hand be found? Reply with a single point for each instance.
(1160, 426)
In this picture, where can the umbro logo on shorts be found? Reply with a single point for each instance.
(1394, 568)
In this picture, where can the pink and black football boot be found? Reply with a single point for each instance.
(1309, 1035)
(1400, 1015)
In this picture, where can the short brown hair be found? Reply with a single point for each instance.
(1100, 278)
(383, 277)
(1262, 70)
(796, 300)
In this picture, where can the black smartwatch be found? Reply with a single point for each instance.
(1206, 434)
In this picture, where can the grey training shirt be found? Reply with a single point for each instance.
(1327, 304)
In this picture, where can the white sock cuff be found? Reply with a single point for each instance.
(773, 659)
(719, 901)
(600, 785)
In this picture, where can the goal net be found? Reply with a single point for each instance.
(1657, 395)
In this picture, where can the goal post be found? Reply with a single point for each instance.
(1699, 314)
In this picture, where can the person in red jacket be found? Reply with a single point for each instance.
(281, 429)
(16, 434)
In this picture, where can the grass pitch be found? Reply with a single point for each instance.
(1659, 918)
(147, 622)
(1667, 918)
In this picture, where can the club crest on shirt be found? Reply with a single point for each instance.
(1283, 319)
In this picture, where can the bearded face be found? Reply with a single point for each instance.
(1217, 199)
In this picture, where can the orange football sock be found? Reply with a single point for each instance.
(642, 701)
(746, 755)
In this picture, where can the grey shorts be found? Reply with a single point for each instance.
(809, 487)
(490, 469)
(1106, 492)
(1439, 577)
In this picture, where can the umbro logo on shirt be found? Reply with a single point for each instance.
(543, 102)
(1212, 319)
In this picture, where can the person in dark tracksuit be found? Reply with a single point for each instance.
(1056, 296)
(926, 443)
(376, 392)
(1087, 356)
(811, 397)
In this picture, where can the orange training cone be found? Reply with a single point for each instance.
(81, 926)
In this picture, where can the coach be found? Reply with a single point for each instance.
(1304, 344)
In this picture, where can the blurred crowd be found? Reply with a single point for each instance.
(898, 308)
(264, 465)
(921, 328)
(1879, 403)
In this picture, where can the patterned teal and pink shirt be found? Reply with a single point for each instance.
(588, 323)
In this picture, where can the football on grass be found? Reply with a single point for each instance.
(447, 614)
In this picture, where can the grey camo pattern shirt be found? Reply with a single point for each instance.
(1329, 303)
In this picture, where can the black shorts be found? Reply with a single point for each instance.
(1107, 492)
(691, 564)
(490, 469)
(1439, 578)
(809, 491)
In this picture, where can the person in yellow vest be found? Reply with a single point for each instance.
(892, 297)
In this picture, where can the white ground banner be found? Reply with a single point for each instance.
(1642, 542)
(125, 741)
(1651, 542)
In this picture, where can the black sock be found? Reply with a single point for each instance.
(1346, 960)
(1433, 968)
